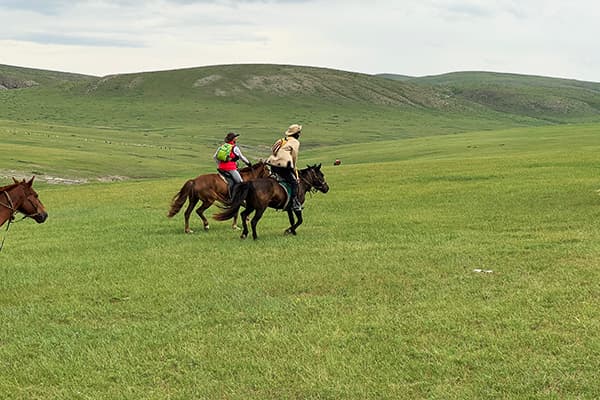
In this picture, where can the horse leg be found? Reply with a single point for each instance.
(234, 223)
(290, 231)
(188, 211)
(299, 220)
(257, 216)
(200, 211)
(293, 226)
(244, 216)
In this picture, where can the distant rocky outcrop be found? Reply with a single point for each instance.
(11, 83)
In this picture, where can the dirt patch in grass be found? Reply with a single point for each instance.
(7, 175)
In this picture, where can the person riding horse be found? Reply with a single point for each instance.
(283, 162)
(228, 167)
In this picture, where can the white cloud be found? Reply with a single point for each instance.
(101, 37)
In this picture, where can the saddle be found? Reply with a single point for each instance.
(228, 180)
(286, 187)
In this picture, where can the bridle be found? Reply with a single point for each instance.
(13, 211)
(313, 187)
(10, 205)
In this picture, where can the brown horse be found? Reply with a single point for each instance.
(210, 188)
(267, 192)
(20, 197)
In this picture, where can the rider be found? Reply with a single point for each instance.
(229, 168)
(284, 162)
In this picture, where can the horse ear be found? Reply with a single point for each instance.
(14, 180)
(31, 181)
(319, 166)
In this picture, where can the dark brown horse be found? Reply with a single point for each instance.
(267, 192)
(20, 197)
(210, 188)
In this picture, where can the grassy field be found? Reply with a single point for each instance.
(196, 104)
(378, 296)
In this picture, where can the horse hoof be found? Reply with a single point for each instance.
(235, 228)
(206, 227)
(243, 236)
(189, 231)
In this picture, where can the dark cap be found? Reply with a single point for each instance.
(230, 136)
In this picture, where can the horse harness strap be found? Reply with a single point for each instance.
(13, 211)
(10, 205)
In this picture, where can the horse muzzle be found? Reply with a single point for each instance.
(41, 217)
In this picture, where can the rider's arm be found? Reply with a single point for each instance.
(238, 152)
(215, 157)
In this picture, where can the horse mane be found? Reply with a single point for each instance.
(307, 169)
(248, 169)
(9, 187)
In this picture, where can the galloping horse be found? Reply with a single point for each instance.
(210, 188)
(267, 192)
(20, 197)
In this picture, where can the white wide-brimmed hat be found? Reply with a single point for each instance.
(293, 129)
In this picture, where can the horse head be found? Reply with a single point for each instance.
(30, 205)
(315, 178)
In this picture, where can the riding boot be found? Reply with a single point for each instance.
(231, 189)
(296, 205)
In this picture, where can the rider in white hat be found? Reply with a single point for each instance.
(284, 162)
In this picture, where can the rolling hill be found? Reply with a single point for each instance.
(513, 99)
(266, 98)
(180, 115)
(550, 99)
(19, 78)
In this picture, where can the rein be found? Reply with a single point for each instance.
(11, 207)
(10, 204)
(13, 211)
(5, 234)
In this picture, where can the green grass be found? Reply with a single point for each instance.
(260, 101)
(548, 99)
(19, 77)
(375, 298)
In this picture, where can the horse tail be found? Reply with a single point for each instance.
(180, 198)
(240, 192)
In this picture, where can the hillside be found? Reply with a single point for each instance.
(255, 83)
(19, 78)
(396, 77)
(199, 104)
(550, 99)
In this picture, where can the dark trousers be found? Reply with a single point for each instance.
(289, 176)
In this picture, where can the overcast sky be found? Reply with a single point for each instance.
(423, 37)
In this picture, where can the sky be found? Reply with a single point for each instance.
(553, 38)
